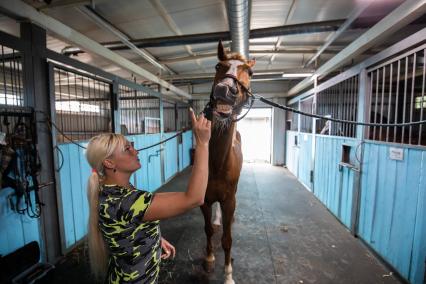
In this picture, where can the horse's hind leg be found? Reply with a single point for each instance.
(228, 209)
(208, 228)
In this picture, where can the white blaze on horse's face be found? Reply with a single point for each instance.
(233, 71)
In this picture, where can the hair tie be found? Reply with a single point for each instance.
(94, 171)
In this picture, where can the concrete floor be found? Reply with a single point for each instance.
(281, 234)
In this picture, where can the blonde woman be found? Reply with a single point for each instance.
(124, 237)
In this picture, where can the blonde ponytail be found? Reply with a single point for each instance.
(98, 252)
(99, 148)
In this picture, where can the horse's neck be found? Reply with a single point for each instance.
(221, 142)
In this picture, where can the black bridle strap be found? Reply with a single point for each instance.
(242, 86)
(241, 117)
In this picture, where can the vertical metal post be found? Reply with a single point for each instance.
(396, 100)
(422, 101)
(162, 146)
(364, 103)
(36, 79)
(413, 78)
(115, 108)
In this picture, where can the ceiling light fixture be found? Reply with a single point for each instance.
(296, 75)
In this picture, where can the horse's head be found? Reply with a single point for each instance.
(231, 87)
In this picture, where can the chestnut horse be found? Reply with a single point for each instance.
(230, 92)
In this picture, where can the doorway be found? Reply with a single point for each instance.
(255, 130)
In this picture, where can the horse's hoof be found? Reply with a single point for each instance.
(208, 266)
(229, 281)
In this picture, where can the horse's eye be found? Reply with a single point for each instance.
(217, 67)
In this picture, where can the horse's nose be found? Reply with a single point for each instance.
(221, 91)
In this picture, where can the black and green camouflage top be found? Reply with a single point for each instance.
(134, 245)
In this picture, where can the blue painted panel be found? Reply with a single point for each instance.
(16, 229)
(305, 159)
(85, 172)
(292, 152)
(392, 209)
(419, 242)
(66, 197)
(73, 177)
(154, 163)
(186, 146)
(333, 185)
(149, 176)
(170, 156)
(76, 192)
(180, 147)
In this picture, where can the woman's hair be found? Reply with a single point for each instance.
(100, 147)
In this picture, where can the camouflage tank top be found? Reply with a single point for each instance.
(134, 245)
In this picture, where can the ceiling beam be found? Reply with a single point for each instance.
(398, 18)
(256, 74)
(104, 24)
(23, 10)
(252, 52)
(305, 28)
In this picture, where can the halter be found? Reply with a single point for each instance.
(208, 109)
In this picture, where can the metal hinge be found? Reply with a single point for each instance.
(312, 176)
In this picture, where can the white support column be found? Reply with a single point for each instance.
(278, 134)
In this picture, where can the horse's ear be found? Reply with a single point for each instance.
(221, 53)
(251, 62)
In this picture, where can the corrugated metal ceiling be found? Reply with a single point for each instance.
(163, 18)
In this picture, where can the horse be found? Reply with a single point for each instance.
(230, 93)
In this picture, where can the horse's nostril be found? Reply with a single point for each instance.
(220, 91)
(233, 90)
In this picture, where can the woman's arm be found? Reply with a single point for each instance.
(169, 204)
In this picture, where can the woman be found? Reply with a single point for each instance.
(124, 235)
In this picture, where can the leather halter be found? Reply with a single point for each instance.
(208, 109)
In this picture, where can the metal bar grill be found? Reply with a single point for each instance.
(170, 114)
(338, 101)
(140, 112)
(399, 92)
(292, 119)
(183, 120)
(305, 121)
(82, 104)
(11, 77)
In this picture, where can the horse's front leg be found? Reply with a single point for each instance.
(228, 209)
(208, 228)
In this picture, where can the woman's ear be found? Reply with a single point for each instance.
(109, 164)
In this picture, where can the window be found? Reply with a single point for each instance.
(420, 102)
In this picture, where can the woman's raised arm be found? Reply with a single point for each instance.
(169, 204)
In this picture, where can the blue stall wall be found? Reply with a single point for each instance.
(148, 177)
(184, 155)
(16, 229)
(305, 159)
(393, 205)
(170, 156)
(73, 177)
(75, 172)
(292, 152)
(333, 185)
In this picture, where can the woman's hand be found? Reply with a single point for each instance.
(201, 128)
(167, 248)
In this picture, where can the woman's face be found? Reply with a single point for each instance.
(126, 160)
